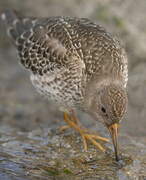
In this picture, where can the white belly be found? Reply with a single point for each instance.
(55, 89)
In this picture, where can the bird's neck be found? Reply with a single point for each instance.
(95, 86)
(105, 81)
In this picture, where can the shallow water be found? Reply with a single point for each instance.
(48, 153)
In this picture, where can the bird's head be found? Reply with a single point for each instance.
(109, 105)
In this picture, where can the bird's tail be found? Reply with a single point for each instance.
(15, 24)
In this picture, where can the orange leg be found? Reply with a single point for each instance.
(73, 122)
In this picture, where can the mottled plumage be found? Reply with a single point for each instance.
(64, 54)
(74, 62)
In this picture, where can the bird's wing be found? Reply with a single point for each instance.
(43, 43)
(41, 52)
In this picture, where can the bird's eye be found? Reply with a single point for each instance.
(103, 109)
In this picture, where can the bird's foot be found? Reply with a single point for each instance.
(73, 122)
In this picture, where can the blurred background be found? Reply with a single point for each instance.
(22, 107)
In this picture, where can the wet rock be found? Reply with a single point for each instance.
(48, 153)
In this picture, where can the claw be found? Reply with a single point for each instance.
(73, 122)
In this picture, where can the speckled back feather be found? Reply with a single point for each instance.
(65, 55)
(44, 43)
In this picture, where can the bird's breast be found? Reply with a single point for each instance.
(63, 91)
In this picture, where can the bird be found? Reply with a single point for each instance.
(77, 64)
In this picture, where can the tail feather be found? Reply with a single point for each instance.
(16, 24)
(13, 23)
